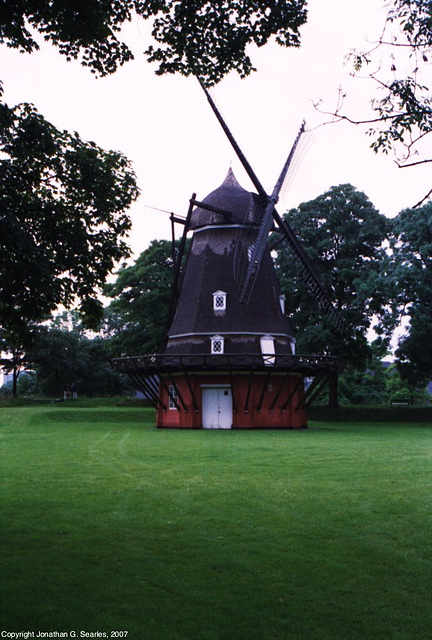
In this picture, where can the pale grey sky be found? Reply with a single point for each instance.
(166, 128)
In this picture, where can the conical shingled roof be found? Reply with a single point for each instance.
(210, 268)
(232, 198)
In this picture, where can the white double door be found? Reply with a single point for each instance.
(217, 407)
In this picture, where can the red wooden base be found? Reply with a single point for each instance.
(263, 400)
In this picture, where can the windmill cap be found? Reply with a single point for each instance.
(240, 205)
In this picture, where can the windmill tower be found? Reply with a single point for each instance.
(229, 359)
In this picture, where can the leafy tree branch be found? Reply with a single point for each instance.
(206, 38)
(63, 219)
(402, 107)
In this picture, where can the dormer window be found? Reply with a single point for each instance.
(219, 300)
(268, 350)
(217, 345)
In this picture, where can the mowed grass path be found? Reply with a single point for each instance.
(109, 524)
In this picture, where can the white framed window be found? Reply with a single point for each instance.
(219, 300)
(268, 349)
(217, 345)
(173, 397)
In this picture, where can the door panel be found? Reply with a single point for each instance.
(217, 408)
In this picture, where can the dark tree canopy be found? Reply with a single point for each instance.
(413, 277)
(136, 320)
(206, 38)
(63, 220)
(61, 357)
(343, 234)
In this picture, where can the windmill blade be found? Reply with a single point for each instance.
(306, 271)
(259, 246)
(178, 265)
(300, 153)
(257, 184)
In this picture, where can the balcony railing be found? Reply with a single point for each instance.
(160, 363)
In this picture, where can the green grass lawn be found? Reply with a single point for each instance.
(108, 524)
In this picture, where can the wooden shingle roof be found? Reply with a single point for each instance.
(242, 205)
(210, 269)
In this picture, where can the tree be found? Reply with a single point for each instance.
(206, 38)
(13, 354)
(63, 355)
(57, 358)
(365, 385)
(26, 385)
(379, 383)
(413, 279)
(344, 236)
(63, 219)
(398, 65)
(136, 320)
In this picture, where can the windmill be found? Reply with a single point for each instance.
(246, 275)
(229, 360)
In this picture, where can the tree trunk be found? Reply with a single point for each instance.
(14, 382)
(16, 364)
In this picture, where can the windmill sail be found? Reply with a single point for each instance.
(305, 269)
(246, 276)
